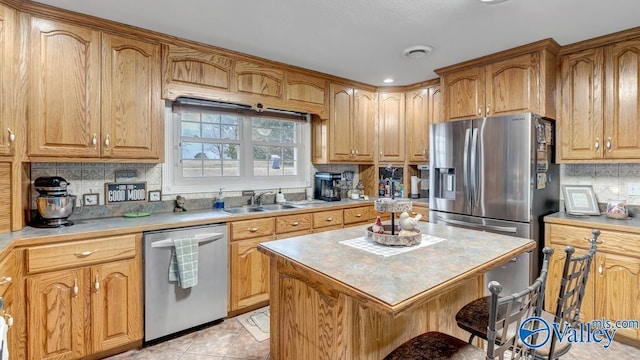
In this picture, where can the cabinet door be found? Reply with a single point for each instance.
(391, 127)
(116, 304)
(306, 91)
(581, 112)
(249, 273)
(56, 314)
(7, 31)
(257, 79)
(64, 77)
(363, 125)
(622, 104)
(8, 292)
(512, 86)
(464, 94)
(340, 115)
(418, 125)
(556, 267)
(131, 105)
(435, 105)
(618, 290)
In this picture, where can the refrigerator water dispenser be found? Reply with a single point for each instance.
(445, 183)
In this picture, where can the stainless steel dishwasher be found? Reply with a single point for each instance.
(167, 307)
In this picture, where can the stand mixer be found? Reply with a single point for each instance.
(54, 203)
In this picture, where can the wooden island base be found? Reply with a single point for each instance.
(311, 319)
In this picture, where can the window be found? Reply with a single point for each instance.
(212, 145)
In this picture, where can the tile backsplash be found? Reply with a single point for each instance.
(609, 181)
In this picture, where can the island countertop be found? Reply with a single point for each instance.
(403, 281)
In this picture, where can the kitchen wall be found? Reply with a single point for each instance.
(88, 178)
(609, 181)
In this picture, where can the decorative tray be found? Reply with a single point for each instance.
(402, 238)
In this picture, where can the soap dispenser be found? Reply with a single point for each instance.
(219, 203)
(280, 197)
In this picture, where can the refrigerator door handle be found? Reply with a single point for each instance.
(504, 229)
(474, 167)
(465, 170)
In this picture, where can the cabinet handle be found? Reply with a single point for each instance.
(609, 144)
(414, 213)
(94, 141)
(254, 229)
(597, 241)
(96, 284)
(357, 152)
(479, 111)
(358, 215)
(424, 152)
(600, 269)
(295, 223)
(488, 109)
(85, 253)
(5, 279)
(75, 288)
(9, 320)
(12, 136)
(353, 151)
(329, 218)
(597, 144)
(107, 142)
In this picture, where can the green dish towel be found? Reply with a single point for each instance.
(184, 262)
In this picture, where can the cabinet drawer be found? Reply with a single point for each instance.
(608, 241)
(290, 223)
(327, 218)
(80, 253)
(356, 215)
(248, 229)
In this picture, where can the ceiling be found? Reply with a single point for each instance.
(363, 40)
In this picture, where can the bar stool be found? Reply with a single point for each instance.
(474, 316)
(506, 314)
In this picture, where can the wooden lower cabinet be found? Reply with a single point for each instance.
(613, 288)
(12, 304)
(249, 274)
(77, 312)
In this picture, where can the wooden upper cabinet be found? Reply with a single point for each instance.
(601, 103)
(257, 79)
(391, 127)
(464, 91)
(340, 123)
(191, 72)
(363, 127)
(93, 95)
(132, 110)
(581, 111)
(423, 108)
(351, 125)
(7, 71)
(307, 91)
(64, 79)
(514, 81)
(622, 100)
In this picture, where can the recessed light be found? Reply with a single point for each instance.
(387, 80)
(416, 52)
(493, 2)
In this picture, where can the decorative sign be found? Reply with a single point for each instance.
(125, 192)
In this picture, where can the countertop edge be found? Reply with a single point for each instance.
(601, 222)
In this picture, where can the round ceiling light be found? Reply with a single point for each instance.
(417, 52)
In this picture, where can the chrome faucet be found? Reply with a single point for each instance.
(257, 199)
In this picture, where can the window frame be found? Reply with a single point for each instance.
(174, 183)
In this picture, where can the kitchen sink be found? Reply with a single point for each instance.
(277, 207)
(243, 210)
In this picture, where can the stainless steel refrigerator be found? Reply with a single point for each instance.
(496, 174)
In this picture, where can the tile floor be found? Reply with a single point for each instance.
(231, 341)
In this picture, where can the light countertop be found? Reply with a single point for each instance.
(398, 279)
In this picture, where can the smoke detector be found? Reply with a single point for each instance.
(417, 52)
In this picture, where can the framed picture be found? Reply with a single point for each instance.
(580, 200)
(155, 195)
(90, 199)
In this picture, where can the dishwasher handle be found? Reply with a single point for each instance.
(202, 238)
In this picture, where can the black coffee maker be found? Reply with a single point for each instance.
(327, 186)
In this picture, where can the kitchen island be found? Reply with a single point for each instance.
(330, 300)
